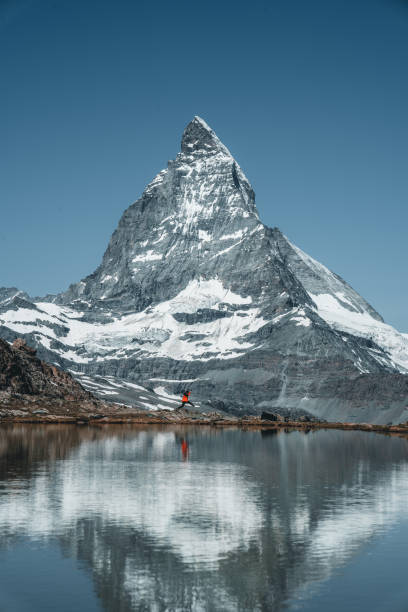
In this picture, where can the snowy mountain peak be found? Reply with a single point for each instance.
(199, 138)
(194, 287)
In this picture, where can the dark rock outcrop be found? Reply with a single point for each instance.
(22, 372)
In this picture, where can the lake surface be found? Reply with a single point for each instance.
(125, 518)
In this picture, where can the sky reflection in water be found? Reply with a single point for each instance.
(242, 521)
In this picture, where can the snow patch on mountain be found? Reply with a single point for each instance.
(147, 256)
(301, 318)
(318, 279)
(330, 308)
(233, 236)
(205, 236)
(108, 277)
(201, 293)
(158, 330)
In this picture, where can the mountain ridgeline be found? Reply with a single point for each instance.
(195, 291)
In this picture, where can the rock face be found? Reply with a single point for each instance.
(30, 387)
(22, 372)
(194, 290)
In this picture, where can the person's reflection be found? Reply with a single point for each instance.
(184, 449)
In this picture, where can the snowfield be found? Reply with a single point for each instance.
(362, 324)
(155, 331)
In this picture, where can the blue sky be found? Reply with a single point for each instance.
(310, 97)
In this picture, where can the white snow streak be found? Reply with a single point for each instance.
(147, 256)
(364, 325)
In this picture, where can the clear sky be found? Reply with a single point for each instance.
(311, 97)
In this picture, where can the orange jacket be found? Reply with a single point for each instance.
(185, 397)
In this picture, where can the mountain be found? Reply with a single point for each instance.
(194, 290)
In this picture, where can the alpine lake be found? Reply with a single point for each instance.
(173, 518)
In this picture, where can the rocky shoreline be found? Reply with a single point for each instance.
(164, 417)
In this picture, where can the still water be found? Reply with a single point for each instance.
(125, 518)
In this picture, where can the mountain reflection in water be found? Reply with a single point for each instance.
(243, 521)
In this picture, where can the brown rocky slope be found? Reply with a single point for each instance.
(31, 386)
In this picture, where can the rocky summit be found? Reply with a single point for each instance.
(195, 291)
